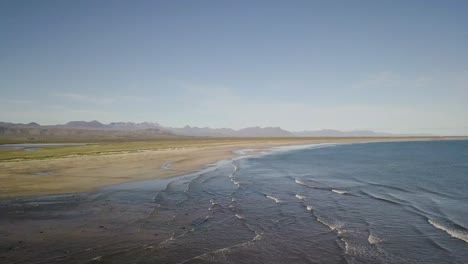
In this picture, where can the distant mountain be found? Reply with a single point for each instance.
(338, 133)
(6, 124)
(154, 130)
(357, 133)
(124, 126)
(202, 131)
(227, 132)
(85, 125)
(83, 130)
(134, 126)
(263, 132)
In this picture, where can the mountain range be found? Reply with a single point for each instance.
(147, 129)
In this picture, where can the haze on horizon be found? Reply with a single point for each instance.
(393, 66)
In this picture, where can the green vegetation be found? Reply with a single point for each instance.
(102, 148)
(120, 147)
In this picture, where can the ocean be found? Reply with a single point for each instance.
(393, 202)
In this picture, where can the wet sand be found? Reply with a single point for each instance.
(74, 174)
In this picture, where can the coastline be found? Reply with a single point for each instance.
(76, 174)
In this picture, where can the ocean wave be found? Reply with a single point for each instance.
(336, 227)
(459, 234)
(273, 198)
(234, 171)
(339, 230)
(239, 216)
(235, 182)
(309, 208)
(373, 196)
(373, 239)
(300, 147)
(212, 205)
(300, 197)
(172, 238)
(241, 152)
(245, 153)
(220, 254)
(339, 191)
(257, 237)
(300, 182)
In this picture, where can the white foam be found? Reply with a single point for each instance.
(373, 239)
(243, 151)
(172, 238)
(239, 216)
(347, 247)
(334, 227)
(215, 254)
(309, 208)
(300, 182)
(299, 147)
(339, 191)
(212, 205)
(273, 198)
(324, 223)
(300, 197)
(235, 169)
(259, 152)
(459, 234)
(235, 182)
(257, 237)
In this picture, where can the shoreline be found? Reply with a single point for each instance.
(78, 174)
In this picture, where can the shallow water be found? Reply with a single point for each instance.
(36, 146)
(360, 203)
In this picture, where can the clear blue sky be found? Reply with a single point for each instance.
(396, 66)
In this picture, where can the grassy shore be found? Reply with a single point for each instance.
(57, 170)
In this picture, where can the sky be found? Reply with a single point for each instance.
(393, 66)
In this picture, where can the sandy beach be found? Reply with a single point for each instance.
(68, 173)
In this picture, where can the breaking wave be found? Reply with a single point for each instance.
(300, 197)
(339, 191)
(459, 234)
(273, 198)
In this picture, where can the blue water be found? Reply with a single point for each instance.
(386, 202)
(402, 202)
